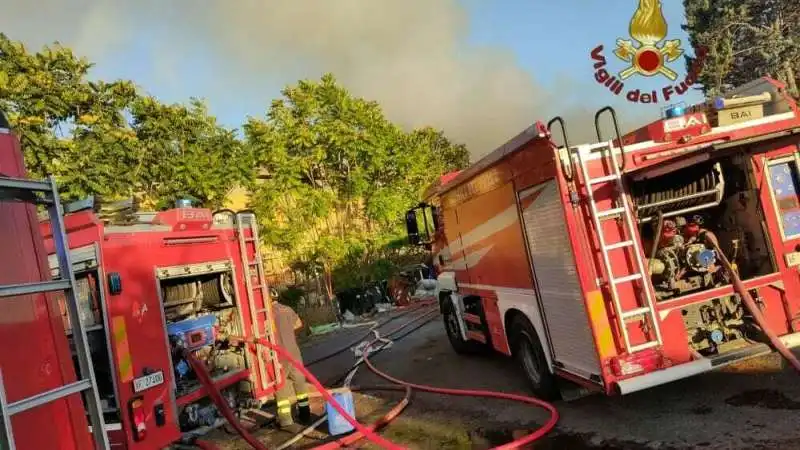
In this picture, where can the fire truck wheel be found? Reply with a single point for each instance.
(528, 352)
(460, 346)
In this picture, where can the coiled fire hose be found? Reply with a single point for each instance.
(739, 287)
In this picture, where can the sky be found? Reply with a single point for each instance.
(482, 70)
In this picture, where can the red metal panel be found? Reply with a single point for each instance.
(41, 358)
(137, 332)
(492, 240)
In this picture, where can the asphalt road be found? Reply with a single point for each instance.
(753, 405)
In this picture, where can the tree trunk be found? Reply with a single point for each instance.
(791, 80)
(328, 283)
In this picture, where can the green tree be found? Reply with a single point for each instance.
(105, 138)
(182, 151)
(68, 126)
(339, 177)
(745, 39)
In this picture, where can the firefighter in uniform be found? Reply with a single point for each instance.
(295, 388)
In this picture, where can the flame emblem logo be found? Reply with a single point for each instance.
(648, 28)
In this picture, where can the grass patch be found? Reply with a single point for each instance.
(422, 433)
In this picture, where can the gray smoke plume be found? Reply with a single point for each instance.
(408, 55)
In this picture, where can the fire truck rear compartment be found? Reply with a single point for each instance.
(201, 311)
(673, 209)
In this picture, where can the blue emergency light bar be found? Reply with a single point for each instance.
(675, 111)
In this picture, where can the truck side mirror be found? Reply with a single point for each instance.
(412, 228)
(435, 219)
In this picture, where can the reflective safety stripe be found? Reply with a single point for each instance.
(284, 402)
(124, 360)
(285, 410)
(302, 396)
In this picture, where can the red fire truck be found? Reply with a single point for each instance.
(589, 262)
(154, 284)
(144, 288)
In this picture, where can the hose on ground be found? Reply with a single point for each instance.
(382, 422)
(525, 440)
(518, 443)
(738, 286)
(227, 412)
(351, 439)
(348, 376)
(429, 317)
(216, 396)
(343, 349)
(364, 431)
(368, 433)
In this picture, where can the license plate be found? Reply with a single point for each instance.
(148, 381)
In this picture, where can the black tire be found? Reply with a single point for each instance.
(460, 346)
(529, 354)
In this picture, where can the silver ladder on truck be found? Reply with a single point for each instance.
(46, 193)
(645, 311)
(245, 220)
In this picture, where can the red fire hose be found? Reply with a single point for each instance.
(225, 409)
(740, 289)
(383, 421)
(538, 434)
(369, 434)
(362, 431)
(219, 401)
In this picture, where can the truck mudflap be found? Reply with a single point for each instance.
(702, 365)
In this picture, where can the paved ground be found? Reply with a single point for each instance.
(753, 405)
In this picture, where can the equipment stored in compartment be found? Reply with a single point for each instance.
(693, 188)
(682, 264)
(721, 198)
(716, 324)
(191, 334)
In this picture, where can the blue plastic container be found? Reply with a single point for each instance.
(336, 423)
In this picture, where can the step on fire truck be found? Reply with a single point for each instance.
(141, 289)
(588, 262)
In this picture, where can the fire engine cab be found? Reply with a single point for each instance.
(149, 287)
(592, 262)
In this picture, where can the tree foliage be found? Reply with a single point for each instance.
(339, 177)
(107, 138)
(330, 176)
(745, 39)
